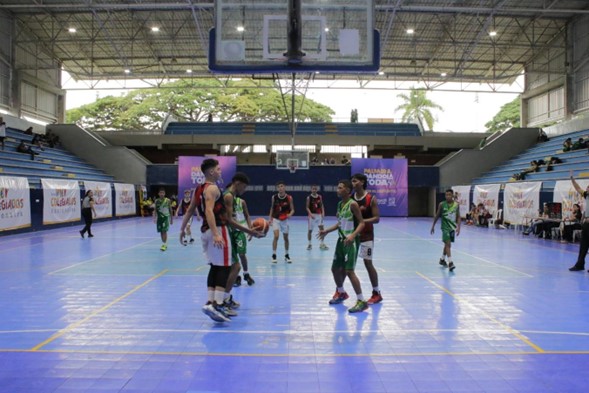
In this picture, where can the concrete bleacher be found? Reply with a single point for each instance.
(576, 160)
(356, 129)
(50, 163)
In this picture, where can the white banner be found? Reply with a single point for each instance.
(488, 195)
(15, 203)
(521, 201)
(462, 194)
(102, 197)
(565, 193)
(125, 199)
(61, 201)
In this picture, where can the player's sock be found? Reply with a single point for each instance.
(219, 296)
(211, 295)
(377, 289)
(341, 289)
(443, 257)
(360, 297)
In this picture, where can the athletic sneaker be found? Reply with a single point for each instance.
(324, 247)
(451, 266)
(309, 247)
(375, 298)
(287, 259)
(215, 315)
(223, 311)
(230, 303)
(360, 305)
(443, 262)
(338, 297)
(185, 242)
(237, 282)
(250, 281)
(274, 260)
(227, 311)
(191, 240)
(163, 247)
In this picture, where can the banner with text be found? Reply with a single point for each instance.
(387, 180)
(61, 201)
(565, 193)
(15, 203)
(190, 175)
(488, 195)
(102, 197)
(125, 199)
(521, 201)
(462, 194)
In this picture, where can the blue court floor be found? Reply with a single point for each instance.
(115, 314)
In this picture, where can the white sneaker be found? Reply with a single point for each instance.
(215, 315)
(324, 247)
(309, 247)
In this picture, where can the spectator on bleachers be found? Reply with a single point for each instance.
(482, 143)
(314, 160)
(571, 224)
(534, 167)
(52, 139)
(345, 161)
(542, 137)
(567, 145)
(550, 161)
(2, 131)
(22, 148)
(29, 131)
(37, 141)
(578, 145)
(332, 161)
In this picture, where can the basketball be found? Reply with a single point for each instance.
(260, 224)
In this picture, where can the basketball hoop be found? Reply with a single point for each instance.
(292, 165)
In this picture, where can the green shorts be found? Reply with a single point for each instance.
(238, 244)
(163, 224)
(345, 256)
(448, 236)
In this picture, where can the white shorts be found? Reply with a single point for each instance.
(366, 250)
(315, 222)
(215, 255)
(281, 226)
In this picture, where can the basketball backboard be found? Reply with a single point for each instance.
(292, 160)
(252, 36)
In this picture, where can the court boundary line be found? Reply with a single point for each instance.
(297, 355)
(71, 326)
(508, 328)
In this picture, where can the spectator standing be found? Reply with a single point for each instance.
(580, 264)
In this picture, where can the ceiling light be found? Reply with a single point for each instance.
(493, 33)
(72, 30)
(326, 29)
(410, 31)
(127, 71)
(381, 73)
(189, 71)
(443, 74)
(155, 29)
(240, 28)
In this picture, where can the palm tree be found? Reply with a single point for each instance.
(417, 107)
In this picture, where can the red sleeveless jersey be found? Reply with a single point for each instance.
(365, 204)
(218, 208)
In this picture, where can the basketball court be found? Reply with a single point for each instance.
(114, 313)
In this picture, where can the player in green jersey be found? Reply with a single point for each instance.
(450, 213)
(162, 216)
(349, 225)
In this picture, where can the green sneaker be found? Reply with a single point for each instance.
(360, 305)
(163, 247)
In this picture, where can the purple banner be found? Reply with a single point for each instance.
(190, 175)
(387, 180)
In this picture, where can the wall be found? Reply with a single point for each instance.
(464, 166)
(421, 179)
(126, 165)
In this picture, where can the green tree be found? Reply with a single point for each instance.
(193, 101)
(507, 117)
(418, 107)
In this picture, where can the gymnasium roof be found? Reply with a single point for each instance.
(451, 40)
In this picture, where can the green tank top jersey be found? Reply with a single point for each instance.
(163, 207)
(449, 213)
(345, 218)
(238, 211)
